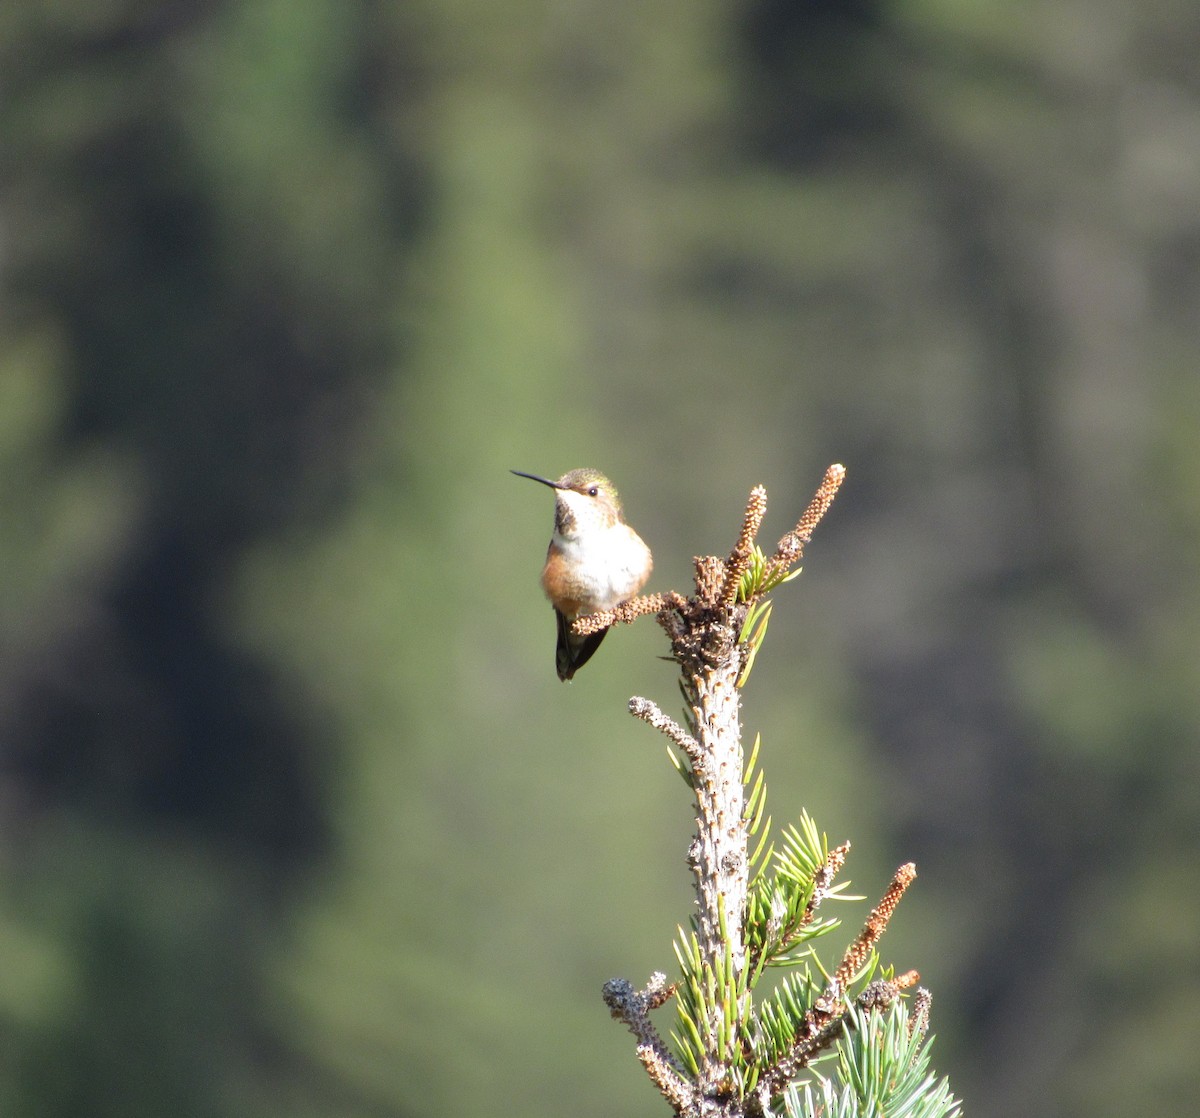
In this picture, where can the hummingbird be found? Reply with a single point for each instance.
(595, 560)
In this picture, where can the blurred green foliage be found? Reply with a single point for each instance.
(296, 818)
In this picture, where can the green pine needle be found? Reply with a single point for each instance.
(761, 857)
(756, 803)
(756, 580)
(883, 1067)
(753, 758)
(757, 618)
(685, 771)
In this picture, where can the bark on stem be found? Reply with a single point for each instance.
(718, 856)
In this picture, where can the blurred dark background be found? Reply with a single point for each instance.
(295, 817)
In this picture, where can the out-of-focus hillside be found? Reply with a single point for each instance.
(295, 817)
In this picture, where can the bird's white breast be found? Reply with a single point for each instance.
(608, 566)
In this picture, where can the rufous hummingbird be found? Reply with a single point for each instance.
(595, 560)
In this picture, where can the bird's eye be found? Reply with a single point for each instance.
(594, 491)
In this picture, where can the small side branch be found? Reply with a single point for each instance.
(791, 547)
(918, 1020)
(671, 1085)
(627, 612)
(743, 551)
(650, 713)
(823, 880)
(633, 1008)
(864, 943)
(822, 1024)
(822, 1027)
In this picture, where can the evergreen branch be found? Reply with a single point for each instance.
(817, 1030)
(781, 909)
(823, 1024)
(883, 1063)
(731, 1058)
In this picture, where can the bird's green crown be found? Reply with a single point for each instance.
(585, 480)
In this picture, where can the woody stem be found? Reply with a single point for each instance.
(718, 854)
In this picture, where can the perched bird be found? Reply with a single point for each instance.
(595, 560)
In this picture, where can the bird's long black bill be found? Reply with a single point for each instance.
(534, 477)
